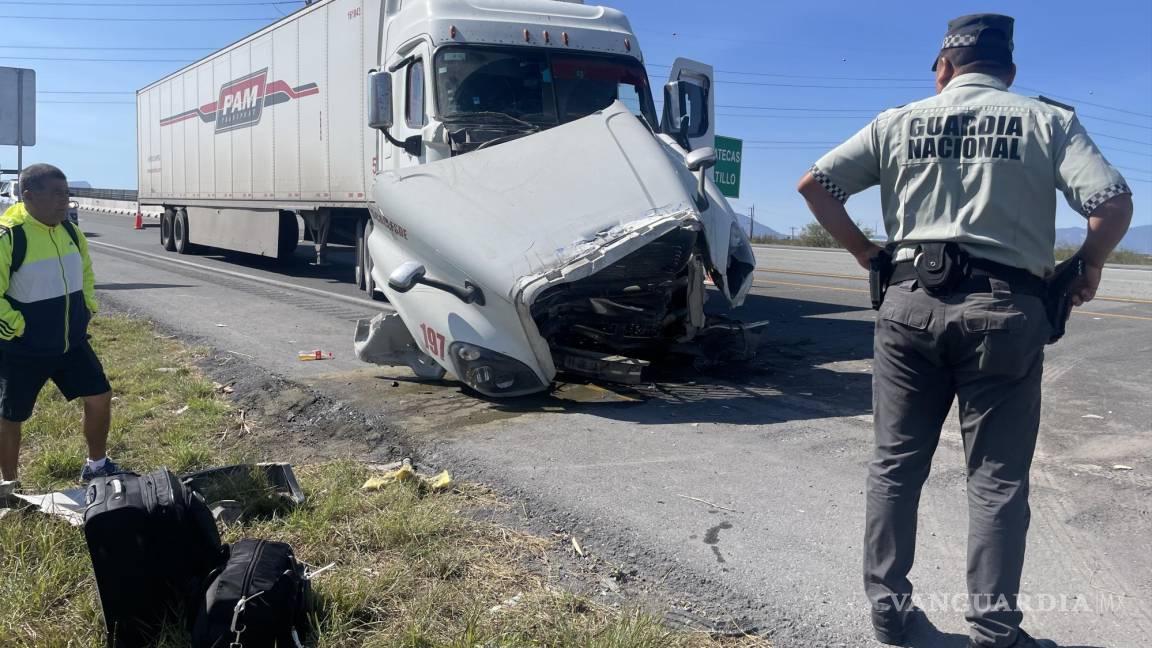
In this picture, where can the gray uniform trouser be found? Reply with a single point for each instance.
(987, 350)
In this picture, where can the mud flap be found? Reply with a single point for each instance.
(385, 340)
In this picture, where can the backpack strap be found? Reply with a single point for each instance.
(71, 229)
(19, 246)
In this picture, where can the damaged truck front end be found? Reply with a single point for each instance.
(581, 249)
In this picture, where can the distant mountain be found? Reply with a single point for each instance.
(1138, 239)
(1073, 236)
(760, 230)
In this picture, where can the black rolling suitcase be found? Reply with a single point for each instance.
(258, 599)
(152, 543)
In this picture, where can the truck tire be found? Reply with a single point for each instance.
(166, 240)
(180, 233)
(289, 236)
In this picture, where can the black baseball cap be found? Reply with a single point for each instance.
(979, 37)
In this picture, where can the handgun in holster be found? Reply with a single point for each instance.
(1058, 298)
(879, 274)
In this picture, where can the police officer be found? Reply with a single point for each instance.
(968, 180)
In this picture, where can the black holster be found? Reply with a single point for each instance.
(879, 274)
(1058, 299)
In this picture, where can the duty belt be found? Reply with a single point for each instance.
(980, 273)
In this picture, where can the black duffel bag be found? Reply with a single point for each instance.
(258, 599)
(152, 543)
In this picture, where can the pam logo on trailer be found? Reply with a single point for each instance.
(241, 102)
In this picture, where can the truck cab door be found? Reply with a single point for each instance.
(414, 100)
(689, 107)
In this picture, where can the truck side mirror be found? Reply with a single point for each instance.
(405, 277)
(701, 158)
(685, 111)
(380, 100)
(698, 162)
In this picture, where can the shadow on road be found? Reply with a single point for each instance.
(338, 270)
(808, 364)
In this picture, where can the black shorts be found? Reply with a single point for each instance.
(77, 373)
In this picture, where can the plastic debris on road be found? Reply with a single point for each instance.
(312, 356)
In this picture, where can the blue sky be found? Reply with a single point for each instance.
(793, 80)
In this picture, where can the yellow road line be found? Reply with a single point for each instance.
(858, 290)
(830, 275)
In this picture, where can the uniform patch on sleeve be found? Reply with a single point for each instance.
(1053, 102)
(831, 187)
(1104, 195)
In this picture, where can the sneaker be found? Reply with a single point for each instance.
(109, 468)
(8, 488)
(1023, 640)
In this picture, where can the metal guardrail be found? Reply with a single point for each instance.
(104, 194)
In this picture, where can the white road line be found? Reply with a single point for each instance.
(247, 277)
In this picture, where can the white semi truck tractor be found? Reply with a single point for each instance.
(499, 165)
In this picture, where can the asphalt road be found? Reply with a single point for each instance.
(744, 481)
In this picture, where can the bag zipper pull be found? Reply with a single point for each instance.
(236, 628)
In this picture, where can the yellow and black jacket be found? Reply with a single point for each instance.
(45, 304)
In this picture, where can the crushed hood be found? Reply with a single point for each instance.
(534, 204)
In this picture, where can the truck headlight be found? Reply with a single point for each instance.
(491, 373)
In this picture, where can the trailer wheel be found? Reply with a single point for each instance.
(289, 236)
(180, 233)
(361, 252)
(166, 240)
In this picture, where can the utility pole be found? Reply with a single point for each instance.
(793, 237)
(752, 222)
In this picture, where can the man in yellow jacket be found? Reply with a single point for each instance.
(47, 297)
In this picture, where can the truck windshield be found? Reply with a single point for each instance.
(537, 86)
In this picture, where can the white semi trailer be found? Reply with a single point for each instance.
(499, 165)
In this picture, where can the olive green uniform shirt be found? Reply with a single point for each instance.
(978, 165)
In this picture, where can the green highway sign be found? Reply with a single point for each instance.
(728, 153)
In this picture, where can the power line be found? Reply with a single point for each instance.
(90, 18)
(808, 76)
(152, 4)
(1122, 139)
(801, 109)
(1085, 102)
(61, 47)
(1117, 121)
(93, 60)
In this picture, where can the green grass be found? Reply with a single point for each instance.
(413, 569)
(1123, 257)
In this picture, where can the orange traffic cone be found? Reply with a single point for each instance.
(139, 221)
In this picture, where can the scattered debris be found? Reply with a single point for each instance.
(222, 325)
(222, 388)
(311, 356)
(510, 603)
(241, 354)
(577, 548)
(245, 491)
(68, 504)
(716, 506)
(1122, 467)
(181, 410)
(404, 471)
(1092, 416)
(168, 370)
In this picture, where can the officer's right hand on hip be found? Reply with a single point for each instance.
(1084, 290)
